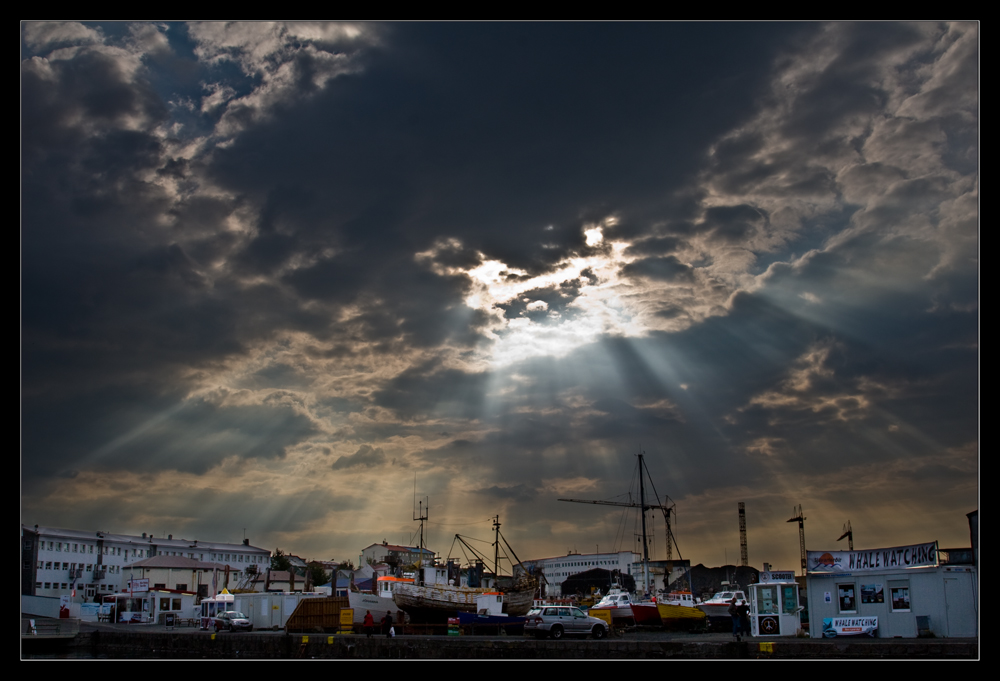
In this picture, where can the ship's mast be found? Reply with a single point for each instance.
(645, 544)
(496, 549)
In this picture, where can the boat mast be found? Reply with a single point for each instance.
(496, 549)
(645, 544)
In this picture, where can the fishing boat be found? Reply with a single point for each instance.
(433, 597)
(437, 595)
(679, 610)
(646, 613)
(619, 603)
(716, 608)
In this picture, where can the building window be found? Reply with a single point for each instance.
(159, 586)
(872, 593)
(48, 585)
(899, 594)
(38, 585)
(74, 548)
(65, 566)
(48, 565)
(181, 587)
(848, 599)
(59, 546)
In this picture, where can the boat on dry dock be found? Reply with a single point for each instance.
(679, 610)
(433, 597)
(716, 608)
(377, 603)
(438, 592)
(619, 603)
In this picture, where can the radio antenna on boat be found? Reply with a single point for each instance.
(424, 506)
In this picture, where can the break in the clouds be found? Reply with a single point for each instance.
(301, 269)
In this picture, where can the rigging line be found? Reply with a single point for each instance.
(620, 531)
(474, 552)
(477, 522)
(511, 550)
(484, 541)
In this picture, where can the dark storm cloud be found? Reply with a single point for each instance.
(193, 437)
(846, 89)
(733, 223)
(367, 456)
(428, 389)
(398, 156)
(662, 269)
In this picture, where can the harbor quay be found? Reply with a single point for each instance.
(156, 642)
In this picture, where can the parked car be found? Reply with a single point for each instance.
(232, 620)
(559, 620)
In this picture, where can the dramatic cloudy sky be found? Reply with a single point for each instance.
(273, 276)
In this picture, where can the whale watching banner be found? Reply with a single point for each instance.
(915, 555)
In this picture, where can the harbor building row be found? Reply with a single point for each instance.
(57, 562)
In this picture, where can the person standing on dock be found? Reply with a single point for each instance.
(743, 610)
(735, 614)
(369, 623)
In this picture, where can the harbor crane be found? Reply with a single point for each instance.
(798, 517)
(849, 533)
(744, 558)
(666, 508)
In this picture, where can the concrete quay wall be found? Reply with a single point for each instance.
(172, 645)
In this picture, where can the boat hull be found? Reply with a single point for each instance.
(518, 603)
(619, 615)
(377, 605)
(435, 604)
(646, 614)
(681, 616)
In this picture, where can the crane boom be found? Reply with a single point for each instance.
(618, 503)
(666, 508)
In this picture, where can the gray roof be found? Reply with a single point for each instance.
(160, 542)
(178, 563)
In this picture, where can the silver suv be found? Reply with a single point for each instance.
(559, 620)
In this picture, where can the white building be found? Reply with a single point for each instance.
(893, 592)
(87, 565)
(393, 554)
(557, 570)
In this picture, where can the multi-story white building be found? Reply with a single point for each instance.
(557, 570)
(394, 555)
(87, 565)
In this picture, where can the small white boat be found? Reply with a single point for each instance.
(378, 604)
(717, 606)
(619, 603)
